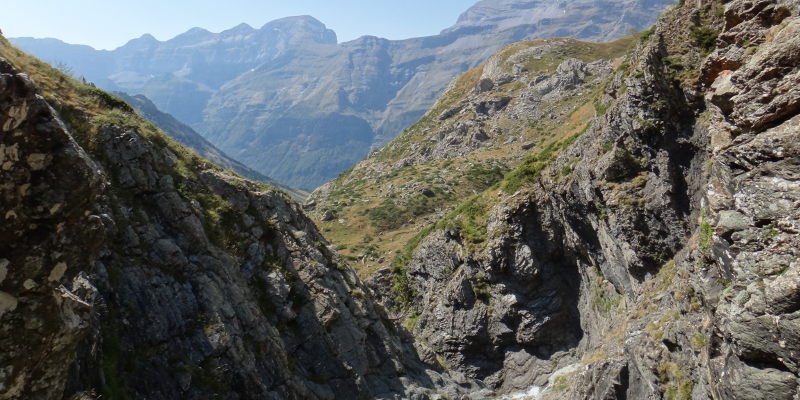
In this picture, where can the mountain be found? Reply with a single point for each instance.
(291, 103)
(132, 268)
(583, 221)
(629, 230)
(181, 74)
(531, 95)
(186, 136)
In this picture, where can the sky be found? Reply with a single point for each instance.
(107, 24)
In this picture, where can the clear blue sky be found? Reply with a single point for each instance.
(108, 24)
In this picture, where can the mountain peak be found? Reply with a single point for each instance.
(239, 29)
(502, 13)
(305, 24)
(144, 40)
(196, 31)
(308, 19)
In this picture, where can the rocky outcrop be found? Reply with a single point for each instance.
(131, 268)
(662, 264)
(50, 241)
(752, 203)
(187, 136)
(652, 254)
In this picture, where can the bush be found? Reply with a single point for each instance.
(646, 34)
(391, 215)
(469, 219)
(402, 291)
(484, 176)
(705, 37)
(106, 99)
(706, 233)
(480, 286)
(534, 164)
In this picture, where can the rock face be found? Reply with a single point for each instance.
(291, 103)
(50, 240)
(650, 254)
(655, 255)
(753, 198)
(524, 100)
(131, 268)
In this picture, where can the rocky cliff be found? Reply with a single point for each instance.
(530, 96)
(291, 103)
(644, 244)
(651, 255)
(132, 268)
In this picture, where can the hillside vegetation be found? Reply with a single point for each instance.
(132, 268)
(491, 132)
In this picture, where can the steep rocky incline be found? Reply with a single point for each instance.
(186, 136)
(645, 249)
(530, 96)
(654, 255)
(132, 268)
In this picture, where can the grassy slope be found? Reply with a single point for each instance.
(84, 109)
(382, 219)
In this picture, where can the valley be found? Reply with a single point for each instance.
(570, 219)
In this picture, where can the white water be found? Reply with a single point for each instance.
(532, 393)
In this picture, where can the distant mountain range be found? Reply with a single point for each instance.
(292, 103)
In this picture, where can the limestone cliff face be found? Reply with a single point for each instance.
(657, 255)
(131, 268)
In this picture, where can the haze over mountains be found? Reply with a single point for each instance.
(291, 102)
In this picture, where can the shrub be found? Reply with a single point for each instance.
(469, 219)
(533, 165)
(391, 215)
(411, 322)
(402, 291)
(480, 286)
(484, 176)
(106, 99)
(706, 233)
(705, 37)
(646, 34)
